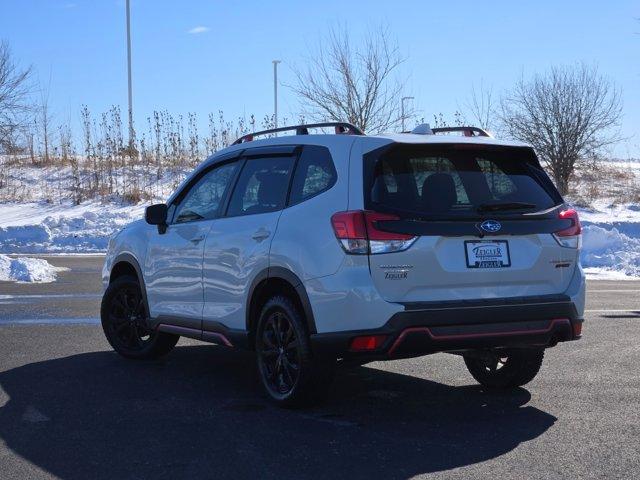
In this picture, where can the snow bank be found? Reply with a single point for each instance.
(606, 250)
(611, 241)
(45, 228)
(26, 269)
(24, 238)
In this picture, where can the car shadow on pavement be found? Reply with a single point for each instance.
(199, 413)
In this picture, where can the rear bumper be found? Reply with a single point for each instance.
(424, 328)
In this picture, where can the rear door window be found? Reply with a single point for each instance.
(423, 181)
(261, 187)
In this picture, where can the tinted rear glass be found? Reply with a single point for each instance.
(315, 173)
(261, 187)
(423, 181)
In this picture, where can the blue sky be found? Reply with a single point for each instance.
(227, 65)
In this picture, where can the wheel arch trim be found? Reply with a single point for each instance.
(133, 262)
(281, 273)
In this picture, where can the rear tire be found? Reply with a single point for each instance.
(501, 372)
(125, 322)
(290, 374)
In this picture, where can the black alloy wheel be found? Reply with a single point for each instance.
(127, 319)
(505, 370)
(125, 322)
(280, 360)
(291, 374)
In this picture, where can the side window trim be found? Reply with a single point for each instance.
(292, 174)
(184, 193)
(224, 205)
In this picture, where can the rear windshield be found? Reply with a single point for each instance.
(449, 181)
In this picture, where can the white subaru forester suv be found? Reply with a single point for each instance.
(315, 250)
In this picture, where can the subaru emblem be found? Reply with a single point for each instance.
(491, 226)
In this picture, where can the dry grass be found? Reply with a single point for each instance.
(101, 164)
(594, 181)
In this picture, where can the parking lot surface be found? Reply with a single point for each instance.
(70, 408)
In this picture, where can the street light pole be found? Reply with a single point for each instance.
(402, 109)
(275, 92)
(129, 76)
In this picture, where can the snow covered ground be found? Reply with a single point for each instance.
(611, 226)
(611, 235)
(45, 228)
(25, 269)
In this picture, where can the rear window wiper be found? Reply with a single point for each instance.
(496, 207)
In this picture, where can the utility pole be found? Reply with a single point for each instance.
(402, 109)
(129, 77)
(275, 92)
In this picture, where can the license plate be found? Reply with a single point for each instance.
(487, 253)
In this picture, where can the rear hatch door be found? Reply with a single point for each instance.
(483, 217)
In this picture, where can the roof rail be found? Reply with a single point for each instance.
(467, 131)
(341, 128)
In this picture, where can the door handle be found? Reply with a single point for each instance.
(261, 234)
(197, 240)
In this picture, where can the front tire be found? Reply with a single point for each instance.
(125, 322)
(498, 371)
(289, 373)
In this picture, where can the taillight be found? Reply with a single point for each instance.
(569, 237)
(350, 229)
(358, 233)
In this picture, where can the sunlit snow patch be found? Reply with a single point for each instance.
(25, 269)
(609, 254)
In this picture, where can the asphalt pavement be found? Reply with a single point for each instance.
(70, 408)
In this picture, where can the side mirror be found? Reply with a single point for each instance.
(157, 215)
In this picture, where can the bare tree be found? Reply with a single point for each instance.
(567, 114)
(68, 155)
(44, 121)
(440, 120)
(481, 106)
(14, 91)
(360, 86)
